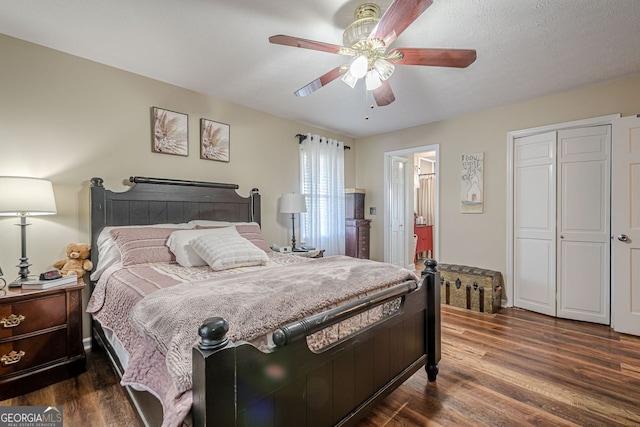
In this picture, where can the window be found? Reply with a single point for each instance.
(322, 183)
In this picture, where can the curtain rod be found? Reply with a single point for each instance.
(422, 174)
(303, 137)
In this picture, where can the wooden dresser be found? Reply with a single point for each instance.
(40, 338)
(357, 237)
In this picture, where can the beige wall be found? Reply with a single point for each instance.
(68, 119)
(480, 239)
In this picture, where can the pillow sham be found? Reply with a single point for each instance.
(178, 244)
(108, 253)
(225, 248)
(142, 245)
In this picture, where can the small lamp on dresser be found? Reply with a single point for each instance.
(24, 197)
(293, 203)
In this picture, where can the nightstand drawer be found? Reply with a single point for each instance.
(33, 315)
(22, 354)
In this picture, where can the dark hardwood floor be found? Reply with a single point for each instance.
(507, 369)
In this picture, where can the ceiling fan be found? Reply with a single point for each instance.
(367, 40)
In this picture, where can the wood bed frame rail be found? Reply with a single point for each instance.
(237, 385)
(300, 329)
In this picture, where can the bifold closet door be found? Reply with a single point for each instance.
(562, 223)
(534, 263)
(583, 224)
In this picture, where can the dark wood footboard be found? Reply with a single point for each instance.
(235, 384)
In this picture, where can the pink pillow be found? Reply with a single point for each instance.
(142, 245)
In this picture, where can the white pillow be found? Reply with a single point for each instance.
(178, 243)
(224, 248)
(108, 252)
(208, 223)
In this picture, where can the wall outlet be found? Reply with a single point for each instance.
(372, 210)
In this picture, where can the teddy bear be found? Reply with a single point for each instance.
(77, 261)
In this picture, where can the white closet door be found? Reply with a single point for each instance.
(583, 246)
(535, 223)
(626, 225)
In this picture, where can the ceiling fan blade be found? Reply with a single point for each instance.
(321, 81)
(384, 95)
(397, 18)
(459, 58)
(305, 44)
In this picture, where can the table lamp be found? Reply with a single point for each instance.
(24, 197)
(293, 203)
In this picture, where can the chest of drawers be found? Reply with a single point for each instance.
(40, 338)
(357, 238)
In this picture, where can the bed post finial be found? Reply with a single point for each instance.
(96, 182)
(430, 266)
(213, 333)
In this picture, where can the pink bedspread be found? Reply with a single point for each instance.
(150, 289)
(110, 305)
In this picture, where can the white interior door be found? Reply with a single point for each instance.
(534, 196)
(397, 207)
(626, 225)
(583, 246)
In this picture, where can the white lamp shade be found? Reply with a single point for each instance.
(292, 203)
(350, 79)
(359, 67)
(26, 196)
(373, 81)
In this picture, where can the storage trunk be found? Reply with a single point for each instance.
(472, 288)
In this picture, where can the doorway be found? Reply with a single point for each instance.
(400, 209)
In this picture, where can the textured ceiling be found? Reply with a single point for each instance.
(525, 48)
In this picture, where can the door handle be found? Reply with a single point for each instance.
(623, 237)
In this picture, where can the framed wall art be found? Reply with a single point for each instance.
(214, 140)
(170, 132)
(472, 183)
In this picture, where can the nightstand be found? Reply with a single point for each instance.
(40, 338)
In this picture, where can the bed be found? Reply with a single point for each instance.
(240, 370)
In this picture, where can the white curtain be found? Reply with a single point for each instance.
(426, 199)
(322, 183)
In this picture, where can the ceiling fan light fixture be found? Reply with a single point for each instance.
(373, 81)
(384, 68)
(359, 66)
(350, 79)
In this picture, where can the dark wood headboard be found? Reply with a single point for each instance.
(164, 201)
